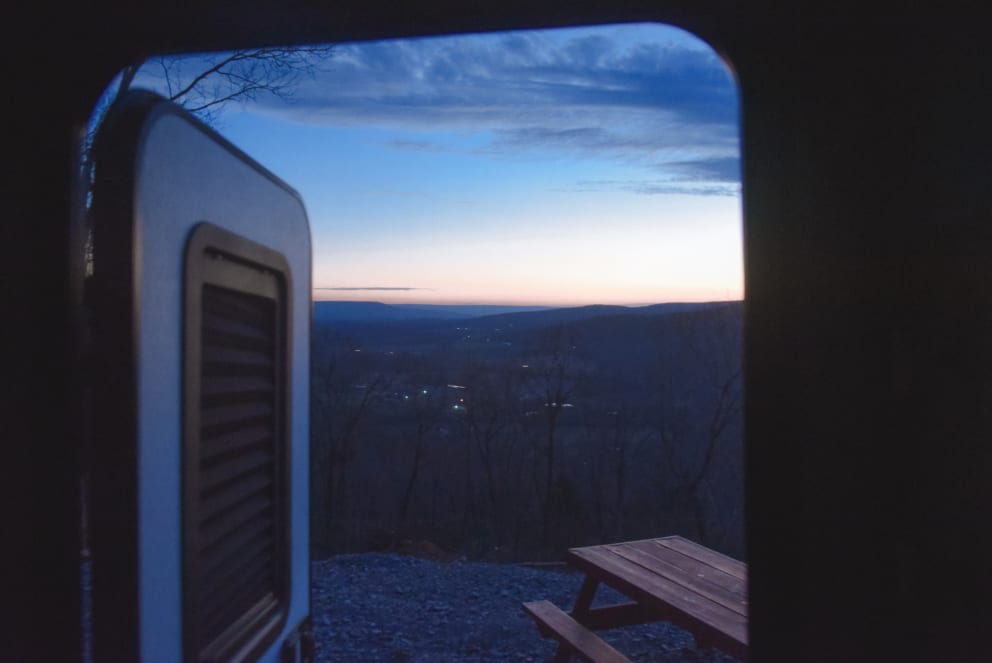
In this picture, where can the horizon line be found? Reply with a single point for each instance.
(530, 304)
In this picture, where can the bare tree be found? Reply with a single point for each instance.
(427, 410)
(202, 84)
(554, 383)
(345, 387)
(619, 447)
(491, 422)
(695, 415)
(692, 469)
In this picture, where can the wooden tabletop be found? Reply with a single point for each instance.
(694, 587)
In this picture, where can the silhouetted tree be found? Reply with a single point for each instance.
(700, 399)
(204, 84)
(555, 379)
(619, 446)
(491, 420)
(426, 410)
(345, 386)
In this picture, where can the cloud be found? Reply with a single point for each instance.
(374, 288)
(702, 177)
(652, 97)
(659, 187)
(590, 138)
(723, 169)
(492, 80)
(417, 145)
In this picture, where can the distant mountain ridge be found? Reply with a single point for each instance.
(349, 311)
(557, 316)
(511, 316)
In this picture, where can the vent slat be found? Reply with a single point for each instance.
(253, 584)
(227, 523)
(255, 311)
(235, 441)
(232, 574)
(234, 398)
(227, 416)
(251, 536)
(228, 327)
(218, 387)
(224, 430)
(220, 475)
(248, 543)
(224, 362)
(213, 505)
(249, 592)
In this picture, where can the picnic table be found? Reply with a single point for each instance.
(666, 579)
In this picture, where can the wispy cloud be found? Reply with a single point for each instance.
(659, 187)
(702, 177)
(374, 288)
(720, 169)
(417, 145)
(655, 99)
(502, 78)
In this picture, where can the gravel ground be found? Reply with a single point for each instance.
(387, 607)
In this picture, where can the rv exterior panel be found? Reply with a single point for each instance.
(202, 309)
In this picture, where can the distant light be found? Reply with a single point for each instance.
(424, 391)
(455, 386)
(525, 366)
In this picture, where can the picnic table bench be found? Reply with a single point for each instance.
(667, 579)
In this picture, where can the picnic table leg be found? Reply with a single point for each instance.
(582, 604)
(586, 594)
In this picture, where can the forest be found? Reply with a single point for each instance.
(515, 436)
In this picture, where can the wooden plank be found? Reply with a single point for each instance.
(569, 632)
(690, 610)
(730, 582)
(713, 558)
(697, 582)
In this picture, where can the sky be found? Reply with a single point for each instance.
(558, 167)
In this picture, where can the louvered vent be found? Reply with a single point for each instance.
(237, 533)
(234, 515)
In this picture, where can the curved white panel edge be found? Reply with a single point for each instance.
(217, 187)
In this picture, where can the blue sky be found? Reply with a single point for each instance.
(565, 167)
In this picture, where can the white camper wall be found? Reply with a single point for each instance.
(246, 200)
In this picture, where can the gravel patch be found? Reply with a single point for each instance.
(387, 607)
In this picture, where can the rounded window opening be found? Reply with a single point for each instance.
(527, 292)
